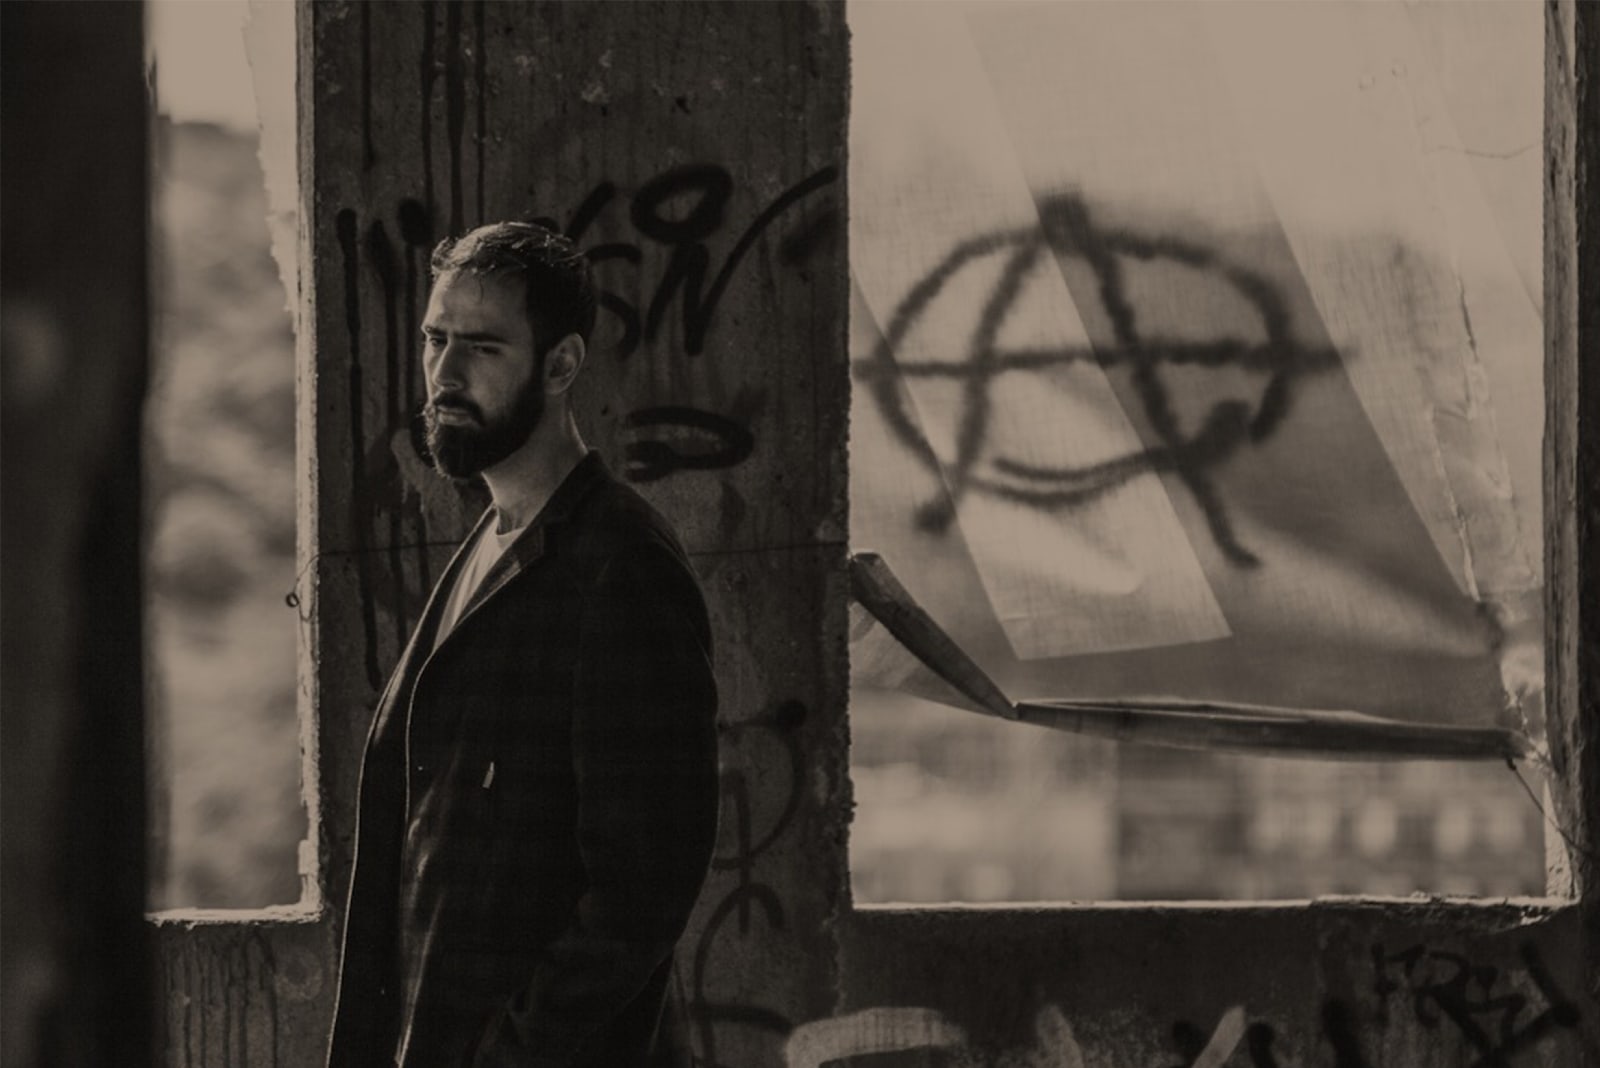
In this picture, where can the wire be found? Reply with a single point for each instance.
(1573, 845)
(292, 598)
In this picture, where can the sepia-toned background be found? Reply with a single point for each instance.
(1207, 368)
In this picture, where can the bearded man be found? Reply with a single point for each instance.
(538, 799)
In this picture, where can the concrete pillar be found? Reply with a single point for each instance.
(699, 149)
(72, 269)
(1572, 456)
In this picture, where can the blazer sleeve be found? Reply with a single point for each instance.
(644, 752)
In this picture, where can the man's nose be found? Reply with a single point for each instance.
(446, 371)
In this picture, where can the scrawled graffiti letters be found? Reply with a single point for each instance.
(750, 899)
(1488, 1005)
(707, 189)
(393, 499)
(716, 442)
(681, 209)
(1493, 1015)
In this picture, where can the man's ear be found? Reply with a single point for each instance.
(562, 364)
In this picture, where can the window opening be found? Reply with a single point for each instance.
(227, 813)
(1197, 358)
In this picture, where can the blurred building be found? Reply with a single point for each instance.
(1197, 825)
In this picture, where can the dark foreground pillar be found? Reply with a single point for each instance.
(74, 202)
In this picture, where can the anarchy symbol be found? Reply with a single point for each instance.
(1066, 230)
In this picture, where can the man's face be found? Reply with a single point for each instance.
(485, 390)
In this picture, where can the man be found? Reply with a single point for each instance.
(538, 799)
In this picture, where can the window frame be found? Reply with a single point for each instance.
(277, 965)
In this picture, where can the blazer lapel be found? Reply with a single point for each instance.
(528, 547)
(421, 644)
(530, 544)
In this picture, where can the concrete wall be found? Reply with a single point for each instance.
(701, 147)
(1572, 461)
(1337, 982)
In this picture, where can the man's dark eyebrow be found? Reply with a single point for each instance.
(475, 337)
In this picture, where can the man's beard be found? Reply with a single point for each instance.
(462, 450)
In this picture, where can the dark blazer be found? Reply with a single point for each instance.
(538, 806)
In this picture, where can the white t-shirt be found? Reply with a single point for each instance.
(485, 553)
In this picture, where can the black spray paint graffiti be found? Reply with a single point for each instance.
(671, 438)
(1193, 1044)
(452, 60)
(1259, 1039)
(708, 189)
(1444, 987)
(379, 487)
(460, 55)
(750, 896)
(1066, 231)
(698, 196)
(360, 496)
(648, 460)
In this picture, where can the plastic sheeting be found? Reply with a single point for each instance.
(1197, 347)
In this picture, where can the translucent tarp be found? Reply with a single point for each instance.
(1197, 348)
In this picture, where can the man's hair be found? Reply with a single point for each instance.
(558, 282)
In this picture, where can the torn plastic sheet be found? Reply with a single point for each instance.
(956, 276)
(1446, 332)
(1295, 281)
(1174, 722)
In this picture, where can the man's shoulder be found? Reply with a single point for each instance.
(614, 519)
(628, 556)
(622, 558)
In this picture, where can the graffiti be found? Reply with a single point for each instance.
(455, 109)
(380, 253)
(1476, 999)
(706, 189)
(345, 225)
(1200, 1051)
(1339, 1027)
(681, 209)
(430, 62)
(386, 488)
(868, 1032)
(453, 63)
(1066, 230)
(391, 489)
(1053, 1044)
(749, 896)
(1445, 986)
(650, 459)
(681, 438)
(369, 153)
